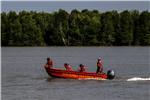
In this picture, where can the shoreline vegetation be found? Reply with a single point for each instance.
(77, 28)
(75, 46)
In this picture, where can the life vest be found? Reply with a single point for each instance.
(49, 64)
(99, 64)
(68, 67)
(82, 69)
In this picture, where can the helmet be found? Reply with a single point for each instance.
(99, 58)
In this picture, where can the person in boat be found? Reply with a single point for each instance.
(82, 68)
(99, 66)
(68, 67)
(49, 63)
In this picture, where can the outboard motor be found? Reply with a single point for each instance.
(110, 74)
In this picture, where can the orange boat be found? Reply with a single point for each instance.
(59, 73)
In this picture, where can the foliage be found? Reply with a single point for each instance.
(78, 28)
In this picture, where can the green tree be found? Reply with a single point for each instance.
(85, 28)
(144, 31)
(32, 35)
(116, 26)
(91, 26)
(12, 29)
(125, 36)
(107, 31)
(136, 27)
(74, 35)
(4, 30)
(58, 28)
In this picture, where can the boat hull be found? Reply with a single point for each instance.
(59, 73)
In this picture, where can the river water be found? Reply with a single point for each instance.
(24, 78)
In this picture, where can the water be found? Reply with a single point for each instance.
(24, 78)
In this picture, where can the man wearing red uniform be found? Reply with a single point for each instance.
(99, 66)
(81, 68)
(49, 63)
(68, 67)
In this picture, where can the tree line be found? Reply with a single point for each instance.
(77, 28)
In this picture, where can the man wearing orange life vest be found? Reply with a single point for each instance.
(99, 66)
(68, 67)
(82, 68)
(49, 63)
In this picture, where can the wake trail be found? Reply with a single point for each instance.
(138, 79)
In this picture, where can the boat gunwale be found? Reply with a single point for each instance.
(52, 72)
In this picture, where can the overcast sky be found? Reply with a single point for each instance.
(51, 6)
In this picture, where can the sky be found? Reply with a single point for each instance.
(51, 6)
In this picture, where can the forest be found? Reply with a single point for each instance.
(75, 28)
